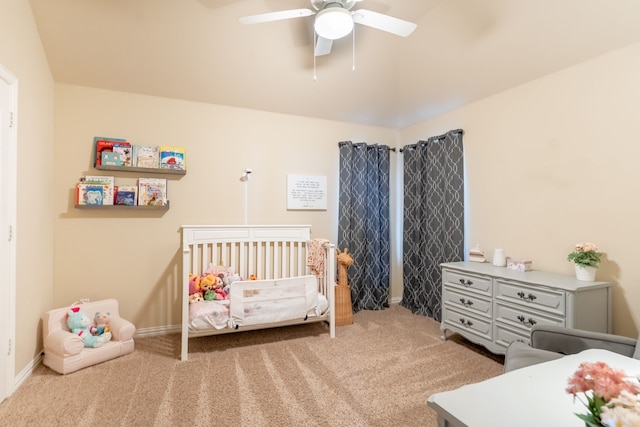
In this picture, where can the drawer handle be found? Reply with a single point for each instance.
(529, 322)
(466, 283)
(466, 323)
(529, 297)
(466, 303)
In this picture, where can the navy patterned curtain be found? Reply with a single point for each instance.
(363, 222)
(433, 228)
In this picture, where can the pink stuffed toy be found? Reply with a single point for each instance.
(194, 284)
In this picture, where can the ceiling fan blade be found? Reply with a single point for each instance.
(383, 22)
(276, 16)
(323, 46)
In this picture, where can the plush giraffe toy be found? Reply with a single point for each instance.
(344, 310)
(344, 261)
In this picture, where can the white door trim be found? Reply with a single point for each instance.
(8, 235)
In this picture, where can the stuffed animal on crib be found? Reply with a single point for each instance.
(80, 324)
(194, 284)
(215, 295)
(210, 295)
(209, 282)
(194, 298)
(101, 323)
(226, 274)
(220, 294)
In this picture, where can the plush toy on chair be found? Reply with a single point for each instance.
(80, 324)
(101, 323)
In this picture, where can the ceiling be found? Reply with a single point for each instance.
(461, 51)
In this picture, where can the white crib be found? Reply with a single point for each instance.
(268, 252)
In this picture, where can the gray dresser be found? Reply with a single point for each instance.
(493, 306)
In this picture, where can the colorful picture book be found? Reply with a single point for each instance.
(124, 153)
(89, 194)
(127, 198)
(94, 195)
(172, 158)
(127, 195)
(146, 156)
(152, 192)
(110, 159)
(103, 144)
(107, 183)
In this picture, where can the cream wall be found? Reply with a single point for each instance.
(22, 54)
(135, 256)
(555, 162)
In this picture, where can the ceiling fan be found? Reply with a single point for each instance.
(335, 20)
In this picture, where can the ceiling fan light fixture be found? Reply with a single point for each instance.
(333, 23)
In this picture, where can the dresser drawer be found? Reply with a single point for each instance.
(523, 319)
(535, 298)
(505, 336)
(467, 302)
(466, 323)
(470, 282)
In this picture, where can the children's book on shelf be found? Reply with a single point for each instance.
(89, 194)
(81, 193)
(126, 198)
(124, 152)
(107, 183)
(103, 144)
(110, 159)
(152, 192)
(127, 195)
(94, 195)
(146, 156)
(172, 158)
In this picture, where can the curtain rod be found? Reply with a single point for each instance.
(435, 138)
(361, 144)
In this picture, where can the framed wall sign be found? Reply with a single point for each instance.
(306, 192)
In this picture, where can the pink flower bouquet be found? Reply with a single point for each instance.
(585, 254)
(611, 398)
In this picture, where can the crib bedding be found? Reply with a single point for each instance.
(261, 301)
(208, 314)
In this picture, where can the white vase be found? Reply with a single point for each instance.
(586, 274)
(499, 258)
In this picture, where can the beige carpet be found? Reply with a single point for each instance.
(377, 372)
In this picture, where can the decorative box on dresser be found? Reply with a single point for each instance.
(493, 306)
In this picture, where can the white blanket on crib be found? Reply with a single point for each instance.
(266, 301)
(205, 314)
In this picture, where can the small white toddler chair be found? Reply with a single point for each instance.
(64, 352)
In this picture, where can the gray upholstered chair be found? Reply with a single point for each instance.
(553, 342)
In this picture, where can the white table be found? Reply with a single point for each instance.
(531, 396)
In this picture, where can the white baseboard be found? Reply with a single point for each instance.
(157, 330)
(395, 300)
(27, 371)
